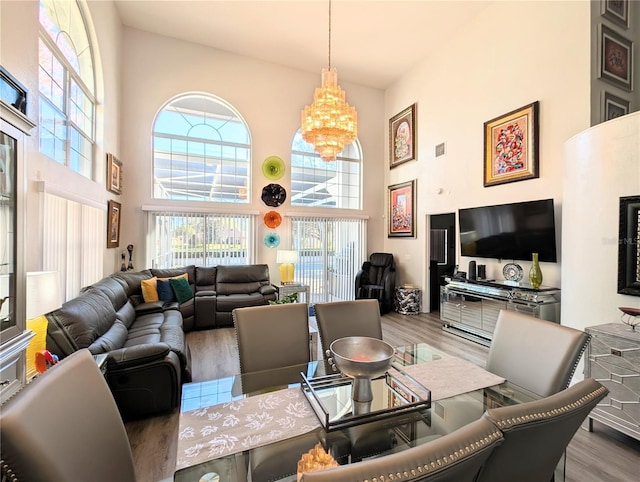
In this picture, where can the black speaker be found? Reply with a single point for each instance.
(472, 270)
(482, 271)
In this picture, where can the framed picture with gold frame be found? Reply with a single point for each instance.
(114, 174)
(402, 137)
(113, 224)
(511, 146)
(402, 210)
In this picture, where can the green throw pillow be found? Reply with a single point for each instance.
(182, 289)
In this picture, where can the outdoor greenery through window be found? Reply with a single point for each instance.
(201, 151)
(67, 87)
(203, 239)
(316, 183)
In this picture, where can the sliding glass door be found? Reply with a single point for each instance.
(331, 251)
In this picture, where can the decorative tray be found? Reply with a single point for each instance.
(330, 397)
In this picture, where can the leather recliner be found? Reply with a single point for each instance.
(377, 280)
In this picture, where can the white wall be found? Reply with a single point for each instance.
(269, 97)
(601, 165)
(514, 53)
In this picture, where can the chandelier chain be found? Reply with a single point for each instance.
(329, 34)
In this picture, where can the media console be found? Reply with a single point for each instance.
(470, 308)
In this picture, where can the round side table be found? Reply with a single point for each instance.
(407, 300)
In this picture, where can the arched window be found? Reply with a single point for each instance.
(67, 86)
(316, 183)
(201, 151)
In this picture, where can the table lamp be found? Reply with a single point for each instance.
(287, 259)
(43, 296)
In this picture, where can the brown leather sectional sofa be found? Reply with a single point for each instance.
(148, 357)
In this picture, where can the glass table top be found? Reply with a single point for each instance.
(346, 442)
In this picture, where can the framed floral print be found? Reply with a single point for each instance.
(615, 58)
(402, 210)
(617, 11)
(113, 224)
(511, 146)
(114, 174)
(402, 137)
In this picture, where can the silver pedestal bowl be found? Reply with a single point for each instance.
(361, 358)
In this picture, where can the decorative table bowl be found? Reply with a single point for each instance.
(361, 358)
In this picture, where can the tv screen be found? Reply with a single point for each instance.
(509, 231)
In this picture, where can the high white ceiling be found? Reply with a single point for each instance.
(373, 42)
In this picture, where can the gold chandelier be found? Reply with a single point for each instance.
(329, 123)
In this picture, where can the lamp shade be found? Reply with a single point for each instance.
(286, 256)
(43, 293)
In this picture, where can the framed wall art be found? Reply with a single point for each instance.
(114, 174)
(402, 210)
(113, 224)
(615, 58)
(511, 146)
(613, 106)
(617, 11)
(628, 246)
(402, 137)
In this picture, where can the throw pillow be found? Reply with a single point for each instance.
(182, 289)
(149, 289)
(165, 292)
(183, 275)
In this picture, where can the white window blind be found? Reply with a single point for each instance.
(331, 251)
(205, 239)
(73, 242)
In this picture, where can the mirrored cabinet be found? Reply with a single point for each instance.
(14, 337)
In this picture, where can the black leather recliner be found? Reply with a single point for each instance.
(377, 280)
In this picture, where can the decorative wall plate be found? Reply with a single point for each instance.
(273, 195)
(512, 272)
(273, 168)
(271, 240)
(272, 219)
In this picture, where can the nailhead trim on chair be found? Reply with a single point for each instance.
(441, 462)
(575, 363)
(542, 415)
(7, 472)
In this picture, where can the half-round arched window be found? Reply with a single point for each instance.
(317, 183)
(201, 151)
(66, 82)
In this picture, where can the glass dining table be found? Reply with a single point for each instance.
(402, 414)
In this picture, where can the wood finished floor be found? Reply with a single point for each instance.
(604, 455)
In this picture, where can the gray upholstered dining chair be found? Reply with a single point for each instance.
(455, 457)
(538, 355)
(65, 425)
(338, 319)
(537, 433)
(272, 336)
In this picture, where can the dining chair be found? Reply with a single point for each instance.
(65, 425)
(272, 336)
(537, 433)
(538, 355)
(347, 318)
(455, 457)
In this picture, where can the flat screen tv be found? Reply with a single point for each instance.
(509, 231)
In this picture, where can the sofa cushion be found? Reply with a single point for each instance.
(165, 292)
(181, 289)
(126, 315)
(131, 280)
(241, 279)
(206, 278)
(238, 300)
(113, 289)
(149, 289)
(113, 339)
(81, 321)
